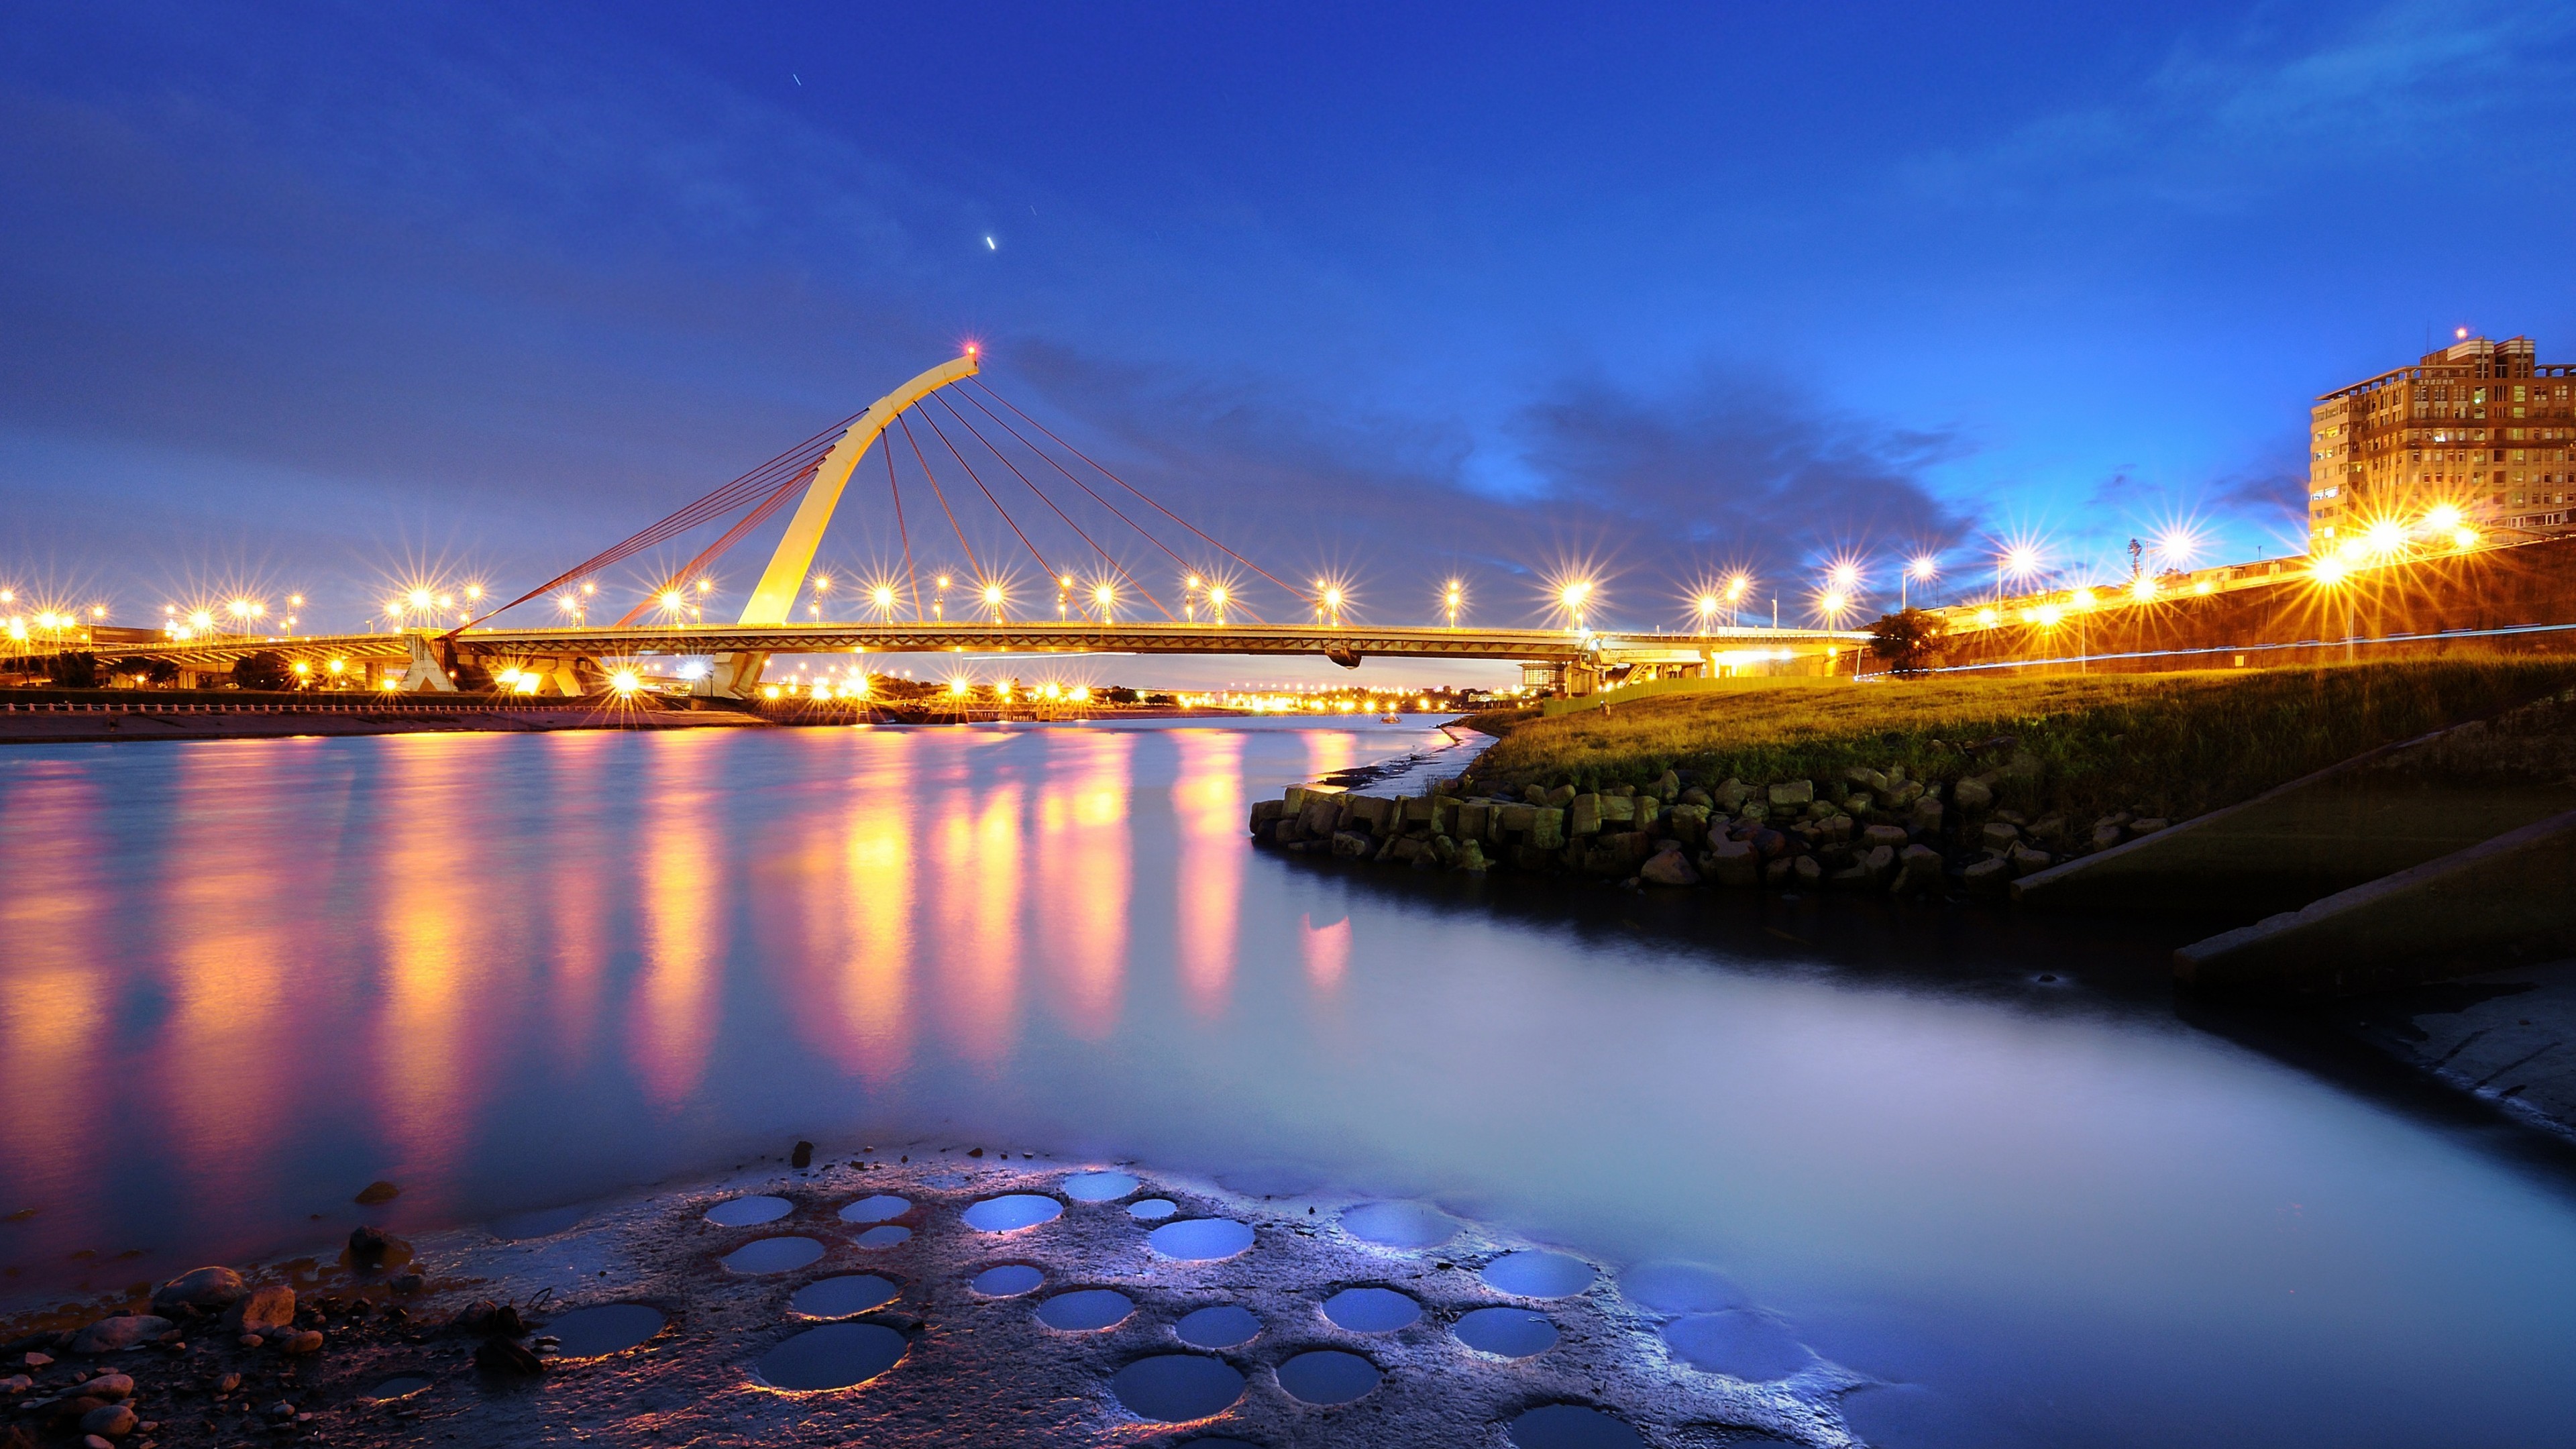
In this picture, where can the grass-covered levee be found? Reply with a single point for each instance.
(2167, 745)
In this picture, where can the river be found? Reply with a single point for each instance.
(1986, 1164)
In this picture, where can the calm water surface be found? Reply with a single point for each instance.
(240, 980)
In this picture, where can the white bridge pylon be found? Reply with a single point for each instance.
(779, 584)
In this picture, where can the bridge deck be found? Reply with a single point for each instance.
(1535, 646)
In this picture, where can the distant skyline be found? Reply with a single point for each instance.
(315, 297)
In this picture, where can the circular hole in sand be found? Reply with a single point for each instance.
(1371, 1310)
(543, 1223)
(882, 1237)
(1399, 1224)
(1224, 1326)
(1745, 1345)
(1572, 1426)
(744, 1212)
(1010, 1280)
(876, 1209)
(1200, 1240)
(840, 1297)
(607, 1328)
(1012, 1212)
(1086, 1309)
(833, 1356)
(1328, 1376)
(1669, 1287)
(1152, 1209)
(1506, 1332)
(1175, 1388)
(772, 1255)
(1535, 1273)
(1099, 1186)
(400, 1386)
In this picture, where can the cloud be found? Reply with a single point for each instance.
(2225, 115)
(1652, 493)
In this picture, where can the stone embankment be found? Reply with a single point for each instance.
(1873, 830)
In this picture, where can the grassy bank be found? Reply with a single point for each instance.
(2171, 745)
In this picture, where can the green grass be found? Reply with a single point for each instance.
(2173, 745)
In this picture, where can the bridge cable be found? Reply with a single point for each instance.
(911, 580)
(1293, 593)
(1078, 483)
(1113, 563)
(943, 507)
(933, 424)
(693, 568)
(716, 504)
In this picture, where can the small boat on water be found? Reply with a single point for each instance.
(1390, 719)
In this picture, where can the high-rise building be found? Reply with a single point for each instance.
(2479, 426)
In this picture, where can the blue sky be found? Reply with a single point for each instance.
(311, 297)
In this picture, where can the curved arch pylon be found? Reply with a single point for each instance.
(775, 595)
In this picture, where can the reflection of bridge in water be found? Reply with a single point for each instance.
(1218, 587)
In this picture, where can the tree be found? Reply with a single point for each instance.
(73, 669)
(1910, 642)
(263, 670)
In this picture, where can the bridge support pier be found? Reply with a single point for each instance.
(426, 674)
(733, 676)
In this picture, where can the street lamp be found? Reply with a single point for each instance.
(1104, 597)
(1452, 595)
(1707, 611)
(994, 600)
(1921, 569)
(1573, 597)
(1216, 602)
(1736, 586)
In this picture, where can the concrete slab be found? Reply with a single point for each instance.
(2505, 1037)
(2449, 917)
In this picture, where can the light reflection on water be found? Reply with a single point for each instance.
(244, 979)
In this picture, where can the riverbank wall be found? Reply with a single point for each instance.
(1874, 829)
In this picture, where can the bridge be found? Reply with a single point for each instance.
(1215, 593)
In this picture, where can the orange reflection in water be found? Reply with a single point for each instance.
(1207, 802)
(228, 1067)
(1330, 752)
(978, 888)
(54, 1015)
(443, 933)
(857, 951)
(575, 905)
(1084, 874)
(671, 1020)
(1327, 949)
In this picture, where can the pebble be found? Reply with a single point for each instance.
(92, 1441)
(17, 1384)
(215, 1287)
(39, 1360)
(252, 1340)
(112, 1335)
(113, 1421)
(264, 1310)
(109, 1386)
(309, 1341)
(228, 1383)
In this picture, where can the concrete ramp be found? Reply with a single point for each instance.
(2470, 911)
(2343, 826)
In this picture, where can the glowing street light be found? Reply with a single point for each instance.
(1216, 602)
(882, 596)
(1707, 611)
(1573, 598)
(2018, 561)
(1922, 570)
(1452, 595)
(1104, 598)
(994, 599)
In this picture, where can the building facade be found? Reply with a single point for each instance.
(2480, 426)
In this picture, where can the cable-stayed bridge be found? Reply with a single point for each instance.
(1217, 596)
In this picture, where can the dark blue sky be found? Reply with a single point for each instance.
(312, 296)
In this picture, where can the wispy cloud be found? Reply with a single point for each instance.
(2226, 114)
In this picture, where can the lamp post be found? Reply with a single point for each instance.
(1922, 568)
